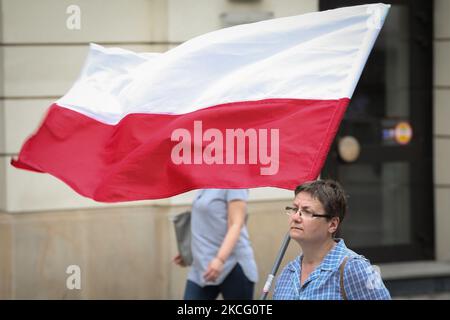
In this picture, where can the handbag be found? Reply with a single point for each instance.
(182, 224)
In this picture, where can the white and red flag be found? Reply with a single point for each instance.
(248, 106)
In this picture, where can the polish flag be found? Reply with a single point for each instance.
(253, 105)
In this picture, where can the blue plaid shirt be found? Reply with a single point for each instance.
(361, 280)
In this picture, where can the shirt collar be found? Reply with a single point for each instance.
(331, 261)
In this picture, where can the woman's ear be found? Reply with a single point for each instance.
(333, 226)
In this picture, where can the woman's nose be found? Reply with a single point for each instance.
(296, 216)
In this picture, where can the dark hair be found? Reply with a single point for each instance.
(329, 193)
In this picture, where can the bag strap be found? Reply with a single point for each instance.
(341, 271)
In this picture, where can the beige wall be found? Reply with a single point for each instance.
(441, 128)
(40, 59)
(2, 124)
(6, 259)
(188, 19)
(123, 253)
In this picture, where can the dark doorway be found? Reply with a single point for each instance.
(389, 120)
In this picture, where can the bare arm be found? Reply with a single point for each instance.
(236, 220)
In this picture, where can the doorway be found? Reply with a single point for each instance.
(382, 154)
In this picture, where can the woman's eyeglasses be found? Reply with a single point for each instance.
(290, 211)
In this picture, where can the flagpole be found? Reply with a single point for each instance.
(275, 267)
